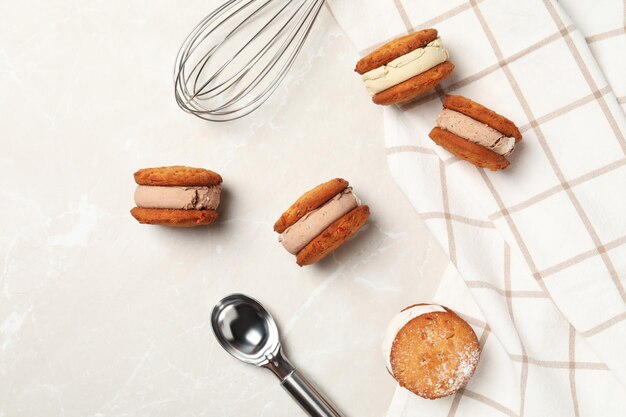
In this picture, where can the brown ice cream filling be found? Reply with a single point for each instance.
(181, 198)
(297, 236)
(475, 131)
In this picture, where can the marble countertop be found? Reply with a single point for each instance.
(101, 316)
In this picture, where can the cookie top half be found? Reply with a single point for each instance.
(310, 201)
(177, 176)
(395, 49)
(434, 354)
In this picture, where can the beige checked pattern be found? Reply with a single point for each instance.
(540, 247)
(605, 35)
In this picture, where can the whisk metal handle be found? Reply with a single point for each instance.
(308, 397)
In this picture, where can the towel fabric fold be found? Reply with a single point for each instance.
(540, 248)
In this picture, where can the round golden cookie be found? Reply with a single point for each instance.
(414, 87)
(435, 354)
(333, 236)
(310, 201)
(395, 49)
(174, 218)
(177, 176)
(467, 150)
(484, 115)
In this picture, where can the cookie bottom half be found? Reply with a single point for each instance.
(469, 151)
(174, 218)
(414, 87)
(333, 236)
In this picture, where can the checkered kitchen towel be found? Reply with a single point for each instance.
(540, 248)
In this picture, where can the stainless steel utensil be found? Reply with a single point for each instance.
(236, 57)
(247, 331)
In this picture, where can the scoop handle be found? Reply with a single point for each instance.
(307, 396)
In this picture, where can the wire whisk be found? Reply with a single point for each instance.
(236, 57)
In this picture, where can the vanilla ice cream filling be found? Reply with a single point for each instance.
(475, 131)
(302, 232)
(398, 322)
(405, 67)
(178, 197)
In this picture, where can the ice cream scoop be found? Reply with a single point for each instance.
(247, 331)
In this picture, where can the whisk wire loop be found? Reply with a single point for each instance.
(237, 56)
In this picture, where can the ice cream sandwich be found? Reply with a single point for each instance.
(177, 196)
(320, 221)
(405, 68)
(475, 133)
(430, 351)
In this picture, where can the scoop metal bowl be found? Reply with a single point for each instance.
(247, 331)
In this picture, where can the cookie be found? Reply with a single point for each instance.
(430, 350)
(405, 68)
(320, 221)
(475, 133)
(333, 236)
(176, 196)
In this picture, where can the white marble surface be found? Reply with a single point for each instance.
(101, 316)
